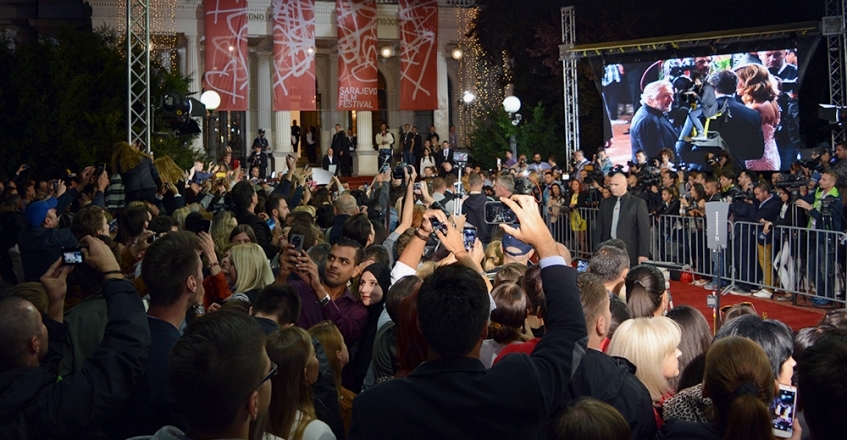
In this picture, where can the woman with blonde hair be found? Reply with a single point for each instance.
(140, 178)
(757, 89)
(291, 414)
(740, 382)
(223, 223)
(249, 270)
(493, 256)
(330, 337)
(173, 184)
(651, 345)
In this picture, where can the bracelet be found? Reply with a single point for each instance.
(211, 265)
(112, 272)
(422, 237)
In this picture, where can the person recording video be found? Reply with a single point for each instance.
(698, 100)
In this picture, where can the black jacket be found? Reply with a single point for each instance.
(613, 381)
(474, 209)
(677, 429)
(143, 176)
(633, 225)
(260, 228)
(35, 404)
(456, 397)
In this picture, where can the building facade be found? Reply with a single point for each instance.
(181, 23)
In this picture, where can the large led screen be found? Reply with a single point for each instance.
(746, 103)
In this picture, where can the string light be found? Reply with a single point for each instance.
(162, 27)
(476, 73)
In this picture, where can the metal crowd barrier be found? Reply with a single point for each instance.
(807, 264)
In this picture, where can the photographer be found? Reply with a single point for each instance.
(700, 96)
(579, 163)
(840, 167)
(824, 209)
(602, 161)
(743, 211)
(720, 163)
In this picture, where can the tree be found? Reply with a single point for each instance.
(62, 102)
(535, 134)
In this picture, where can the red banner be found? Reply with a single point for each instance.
(357, 73)
(226, 52)
(294, 55)
(418, 40)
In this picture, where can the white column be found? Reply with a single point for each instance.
(334, 116)
(441, 117)
(192, 70)
(264, 92)
(281, 139)
(364, 158)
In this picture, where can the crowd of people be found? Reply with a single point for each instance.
(143, 301)
(663, 205)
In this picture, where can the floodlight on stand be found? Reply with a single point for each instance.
(211, 99)
(468, 97)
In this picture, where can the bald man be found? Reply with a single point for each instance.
(345, 206)
(624, 216)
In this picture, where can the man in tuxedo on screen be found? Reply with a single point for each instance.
(739, 126)
(651, 130)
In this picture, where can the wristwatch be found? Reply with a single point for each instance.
(420, 235)
(324, 301)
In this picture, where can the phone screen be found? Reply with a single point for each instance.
(271, 223)
(497, 212)
(72, 256)
(581, 265)
(438, 226)
(469, 236)
(782, 409)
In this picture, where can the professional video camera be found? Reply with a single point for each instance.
(742, 196)
(791, 181)
(617, 169)
(524, 186)
(682, 83)
(812, 164)
(649, 180)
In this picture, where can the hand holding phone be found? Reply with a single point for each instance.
(783, 409)
(297, 240)
(72, 256)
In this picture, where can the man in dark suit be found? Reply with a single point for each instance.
(651, 131)
(245, 200)
(330, 159)
(446, 155)
(339, 145)
(739, 126)
(511, 399)
(767, 210)
(624, 216)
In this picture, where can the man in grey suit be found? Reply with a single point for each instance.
(625, 217)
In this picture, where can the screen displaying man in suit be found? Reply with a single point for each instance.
(739, 126)
(651, 130)
(625, 217)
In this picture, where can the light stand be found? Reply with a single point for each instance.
(511, 104)
(212, 100)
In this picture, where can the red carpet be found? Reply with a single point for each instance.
(795, 316)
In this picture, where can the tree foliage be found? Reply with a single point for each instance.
(63, 102)
(535, 134)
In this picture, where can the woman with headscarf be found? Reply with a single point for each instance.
(371, 288)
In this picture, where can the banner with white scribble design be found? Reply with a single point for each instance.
(418, 50)
(226, 52)
(357, 73)
(294, 55)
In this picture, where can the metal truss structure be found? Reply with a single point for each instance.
(569, 75)
(138, 110)
(833, 27)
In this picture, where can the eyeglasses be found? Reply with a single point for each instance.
(270, 374)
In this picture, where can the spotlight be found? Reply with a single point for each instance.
(468, 97)
(177, 111)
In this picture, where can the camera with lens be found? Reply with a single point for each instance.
(649, 180)
(714, 160)
(524, 186)
(791, 181)
(742, 196)
(398, 173)
(631, 164)
(617, 169)
(812, 164)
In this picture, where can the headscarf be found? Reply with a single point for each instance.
(364, 348)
